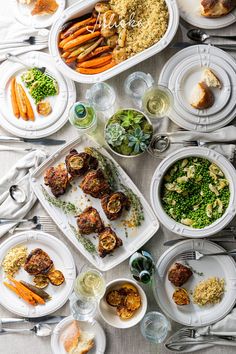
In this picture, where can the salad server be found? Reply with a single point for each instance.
(46, 319)
(46, 141)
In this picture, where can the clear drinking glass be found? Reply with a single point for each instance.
(136, 85)
(155, 327)
(101, 96)
(89, 288)
(157, 101)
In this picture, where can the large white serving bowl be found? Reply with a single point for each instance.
(108, 312)
(156, 184)
(85, 6)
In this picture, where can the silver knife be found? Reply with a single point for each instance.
(45, 319)
(182, 45)
(214, 239)
(42, 141)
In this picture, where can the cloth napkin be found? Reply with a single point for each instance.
(12, 30)
(19, 174)
(178, 137)
(225, 327)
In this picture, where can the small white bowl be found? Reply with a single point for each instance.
(108, 312)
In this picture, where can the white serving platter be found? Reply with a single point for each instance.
(83, 7)
(42, 126)
(22, 13)
(93, 327)
(136, 237)
(190, 12)
(63, 260)
(207, 56)
(222, 267)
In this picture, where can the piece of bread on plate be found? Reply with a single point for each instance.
(211, 79)
(70, 336)
(44, 7)
(217, 8)
(85, 344)
(202, 96)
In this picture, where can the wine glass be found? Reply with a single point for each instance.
(89, 288)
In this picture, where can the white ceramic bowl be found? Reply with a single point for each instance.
(117, 153)
(83, 7)
(108, 312)
(156, 184)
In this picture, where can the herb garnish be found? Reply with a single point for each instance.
(67, 207)
(86, 243)
(137, 214)
(201, 274)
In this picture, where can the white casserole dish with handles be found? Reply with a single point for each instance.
(85, 6)
(156, 184)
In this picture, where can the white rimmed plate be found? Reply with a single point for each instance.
(156, 186)
(208, 54)
(222, 267)
(63, 260)
(189, 76)
(61, 103)
(190, 12)
(133, 238)
(22, 13)
(94, 327)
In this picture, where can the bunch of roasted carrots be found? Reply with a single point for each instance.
(23, 292)
(20, 103)
(83, 44)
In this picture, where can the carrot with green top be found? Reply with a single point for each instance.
(81, 39)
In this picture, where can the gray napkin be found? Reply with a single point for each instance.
(18, 174)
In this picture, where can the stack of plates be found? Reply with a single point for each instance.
(184, 70)
(61, 104)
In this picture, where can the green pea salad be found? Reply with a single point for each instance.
(195, 192)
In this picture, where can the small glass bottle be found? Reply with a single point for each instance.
(83, 117)
(142, 266)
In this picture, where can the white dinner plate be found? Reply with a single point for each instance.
(95, 327)
(133, 237)
(190, 12)
(62, 259)
(189, 76)
(42, 126)
(208, 55)
(222, 267)
(22, 13)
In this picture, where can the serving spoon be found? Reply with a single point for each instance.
(199, 35)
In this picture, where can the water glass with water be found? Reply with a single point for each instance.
(155, 327)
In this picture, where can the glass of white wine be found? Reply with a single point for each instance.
(157, 101)
(89, 288)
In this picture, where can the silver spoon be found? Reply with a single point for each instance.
(199, 35)
(41, 330)
(17, 194)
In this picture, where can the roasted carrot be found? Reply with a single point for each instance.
(30, 112)
(93, 71)
(94, 53)
(15, 107)
(78, 25)
(25, 297)
(70, 60)
(81, 39)
(22, 289)
(77, 33)
(80, 49)
(93, 63)
(20, 102)
(91, 48)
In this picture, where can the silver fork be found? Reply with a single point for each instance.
(35, 219)
(196, 255)
(32, 40)
(50, 228)
(206, 143)
(193, 333)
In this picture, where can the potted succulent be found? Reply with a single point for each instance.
(128, 133)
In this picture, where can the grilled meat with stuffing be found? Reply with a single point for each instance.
(78, 164)
(179, 274)
(89, 221)
(38, 262)
(95, 184)
(108, 242)
(114, 204)
(57, 179)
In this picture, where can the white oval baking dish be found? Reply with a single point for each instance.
(171, 224)
(82, 8)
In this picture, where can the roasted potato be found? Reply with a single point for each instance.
(114, 298)
(41, 281)
(56, 277)
(124, 313)
(181, 297)
(132, 301)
